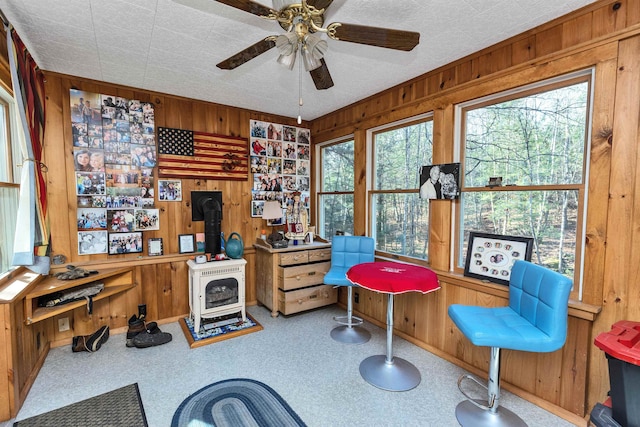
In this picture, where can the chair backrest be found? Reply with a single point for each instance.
(541, 296)
(347, 251)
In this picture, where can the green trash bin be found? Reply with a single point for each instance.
(622, 348)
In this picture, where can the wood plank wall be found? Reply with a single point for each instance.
(604, 35)
(162, 281)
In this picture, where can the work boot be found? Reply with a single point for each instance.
(136, 325)
(91, 342)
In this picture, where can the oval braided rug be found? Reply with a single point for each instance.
(235, 402)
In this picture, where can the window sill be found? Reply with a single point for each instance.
(577, 309)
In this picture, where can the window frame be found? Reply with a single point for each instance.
(566, 80)
(12, 142)
(320, 180)
(371, 191)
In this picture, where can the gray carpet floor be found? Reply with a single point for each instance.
(318, 377)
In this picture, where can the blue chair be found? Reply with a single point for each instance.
(535, 321)
(347, 251)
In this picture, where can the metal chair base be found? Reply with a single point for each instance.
(397, 375)
(350, 335)
(469, 414)
(345, 320)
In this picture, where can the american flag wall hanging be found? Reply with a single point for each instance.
(189, 154)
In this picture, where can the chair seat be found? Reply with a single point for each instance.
(500, 327)
(337, 276)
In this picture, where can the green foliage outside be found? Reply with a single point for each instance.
(536, 141)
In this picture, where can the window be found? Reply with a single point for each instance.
(535, 139)
(399, 218)
(335, 198)
(9, 179)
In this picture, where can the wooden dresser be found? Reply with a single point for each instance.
(290, 280)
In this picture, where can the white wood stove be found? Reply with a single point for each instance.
(216, 289)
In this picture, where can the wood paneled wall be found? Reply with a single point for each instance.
(162, 281)
(605, 36)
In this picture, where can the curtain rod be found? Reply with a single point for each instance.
(5, 21)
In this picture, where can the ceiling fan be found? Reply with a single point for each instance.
(303, 20)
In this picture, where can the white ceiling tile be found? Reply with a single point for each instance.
(172, 46)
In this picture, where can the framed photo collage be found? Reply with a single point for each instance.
(280, 164)
(114, 153)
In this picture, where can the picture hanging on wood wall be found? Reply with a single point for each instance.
(92, 242)
(114, 152)
(440, 181)
(280, 164)
(170, 190)
(125, 243)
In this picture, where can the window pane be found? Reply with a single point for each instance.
(399, 155)
(8, 211)
(4, 146)
(534, 140)
(336, 214)
(401, 224)
(337, 167)
(550, 217)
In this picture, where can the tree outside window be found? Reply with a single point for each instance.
(536, 140)
(335, 198)
(399, 218)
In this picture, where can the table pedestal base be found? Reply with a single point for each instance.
(397, 375)
(350, 334)
(470, 415)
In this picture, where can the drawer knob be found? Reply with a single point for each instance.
(299, 301)
(298, 278)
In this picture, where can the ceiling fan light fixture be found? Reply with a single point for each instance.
(287, 44)
(312, 51)
(287, 60)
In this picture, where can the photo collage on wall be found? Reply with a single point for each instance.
(114, 153)
(280, 164)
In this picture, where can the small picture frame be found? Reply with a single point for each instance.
(125, 243)
(154, 246)
(495, 181)
(200, 242)
(490, 257)
(169, 190)
(186, 243)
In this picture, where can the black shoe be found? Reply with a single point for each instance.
(148, 339)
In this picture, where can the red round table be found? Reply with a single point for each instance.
(385, 371)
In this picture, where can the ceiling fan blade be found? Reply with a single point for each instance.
(321, 76)
(374, 36)
(320, 4)
(248, 6)
(248, 54)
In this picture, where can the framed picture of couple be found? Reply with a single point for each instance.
(491, 256)
(440, 181)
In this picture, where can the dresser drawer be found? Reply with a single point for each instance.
(316, 255)
(306, 299)
(293, 258)
(301, 276)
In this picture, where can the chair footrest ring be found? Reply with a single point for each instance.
(470, 398)
(344, 320)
